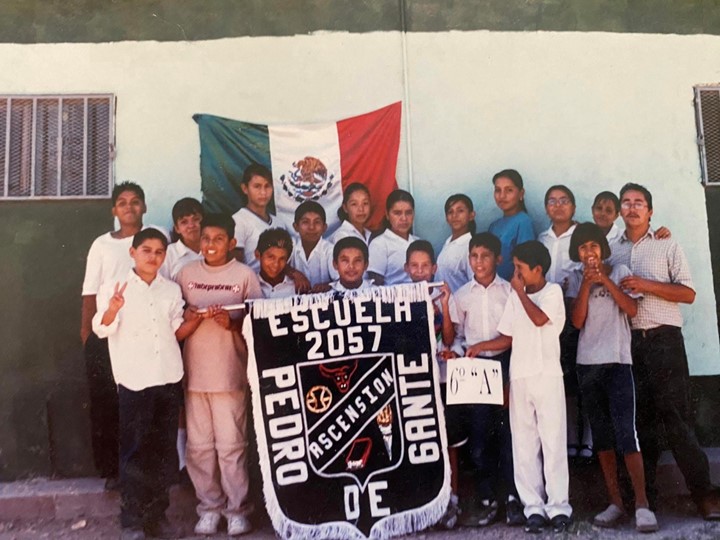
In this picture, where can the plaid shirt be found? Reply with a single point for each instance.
(657, 260)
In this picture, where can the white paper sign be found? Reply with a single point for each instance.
(474, 380)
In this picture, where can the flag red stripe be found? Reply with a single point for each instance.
(369, 146)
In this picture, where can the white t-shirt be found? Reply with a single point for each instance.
(559, 247)
(348, 229)
(478, 310)
(143, 349)
(605, 337)
(178, 255)
(387, 257)
(535, 349)
(318, 268)
(109, 260)
(248, 228)
(453, 266)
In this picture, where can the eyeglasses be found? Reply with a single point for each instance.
(563, 201)
(636, 205)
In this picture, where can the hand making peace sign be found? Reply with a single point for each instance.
(117, 300)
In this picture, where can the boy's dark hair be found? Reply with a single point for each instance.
(420, 245)
(564, 189)
(350, 242)
(308, 207)
(186, 206)
(515, 178)
(607, 196)
(127, 186)
(149, 234)
(533, 253)
(221, 221)
(487, 240)
(461, 197)
(588, 232)
(277, 238)
(255, 169)
(631, 186)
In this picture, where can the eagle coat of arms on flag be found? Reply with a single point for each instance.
(347, 411)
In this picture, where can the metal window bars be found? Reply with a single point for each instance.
(56, 146)
(707, 115)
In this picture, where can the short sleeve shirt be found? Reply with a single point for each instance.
(387, 257)
(511, 231)
(248, 228)
(535, 349)
(318, 267)
(657, 260)
(561, 265)
(348, 229)
(178, 255)
(605, 337)
(453, 266)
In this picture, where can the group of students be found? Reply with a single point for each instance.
(506, 296)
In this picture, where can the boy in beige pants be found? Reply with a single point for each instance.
(217, 393)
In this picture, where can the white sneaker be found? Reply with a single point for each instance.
(237, 525)
(208, 523)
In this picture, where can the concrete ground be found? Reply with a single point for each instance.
(81, 509)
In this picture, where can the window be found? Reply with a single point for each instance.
(707, 113)
(56, 146)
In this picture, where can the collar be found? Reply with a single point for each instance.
(133, 277)
(462, 238)
(285, 281)
(552, 234)
(650, 233)
(495, 282)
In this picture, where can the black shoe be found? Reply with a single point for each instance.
(560, 523)
(535, 524)
(163, 529)
(112, 483)
(514, 515)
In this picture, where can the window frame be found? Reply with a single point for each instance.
(697, 89)
(5, 174)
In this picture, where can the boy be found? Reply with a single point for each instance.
(350, 260)
(216, 396)
(313, 254)
(108, 260)
(476, 313)
(143, 321)
(420, 265)
(273, 251)
(534, 317)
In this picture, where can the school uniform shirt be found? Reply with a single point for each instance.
(216, 358)
(535, 349)
(559, 247)
(248, 228)
(109, 260)
(337, 286)
(177, 256)
(453, 266)
(511, 230)
(656, 260)
(456, 345)
(478, 310)
(282, 290)
(143, 349)
(348, 229)
(318, 267)
(613, 235)
(387, 257)
(605, 336)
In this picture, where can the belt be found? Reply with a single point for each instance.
(651, 332)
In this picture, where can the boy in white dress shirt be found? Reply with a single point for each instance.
(312, 255)
(143, 321)
(350, 260)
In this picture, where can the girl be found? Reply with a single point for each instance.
(388, 251)
(187, 215)
(256, 187)
(515, 227)
(600, 309)
(452, 263)
(353, 214)
(560, 208)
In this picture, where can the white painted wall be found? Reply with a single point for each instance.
(591, 110)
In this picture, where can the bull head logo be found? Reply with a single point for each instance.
(340, 375)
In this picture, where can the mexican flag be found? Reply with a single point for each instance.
(308, 161)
